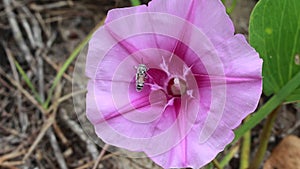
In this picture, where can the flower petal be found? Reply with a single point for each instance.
(192, 40)
(209, 16)
(121, 12)
(190, 153)
(162, 133)
(243, 69)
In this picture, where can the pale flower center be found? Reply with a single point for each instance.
(176, 87)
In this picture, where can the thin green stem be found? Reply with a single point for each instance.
(267, 108)
(230, 9)
(244, 161)
(217, 164)
(210, 166)
(264, 139)
(229, 156)
(135, 2)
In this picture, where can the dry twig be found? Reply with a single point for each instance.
(45, 127)
(91, 147)
(23, 91)
(17, 32)
(54, 143)
(11, 156)
(12, 164)
(36, 30)
(47, 30)
(22, 116)
(48, 6)
(59, 133)
(105, 147)
(58, 154)
(56, 67)
(27, 28)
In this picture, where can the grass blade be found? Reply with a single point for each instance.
(28, 82)
(229, 156)
(70, 59)
(266, 109)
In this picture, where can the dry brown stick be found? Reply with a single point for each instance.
(59, 133)
(12, 164)
(4, 102)
(56, 67)
(18, 148)
(58, 154)
(40, 73)
(53, 141)
(27, 28)
(91, 163)
(70, 2)
(10, 130)
(34, 32)
(11, 61)
(49, 5)
(105, 147)
(86, 165)
(51, 40)
(139, 165)
(37, 32)
(50, 134)
(23, 91)
(68, 152)
(23, 117)
(4, 84)
(47, 124)
(17, 32)
(48, 160)
(91, 147)
(11, 156)
(293, 128)
(68, 96)
(55, 19)
(43, 24)
(111, 155)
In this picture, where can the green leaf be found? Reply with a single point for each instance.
(275, 33)
(135, 2)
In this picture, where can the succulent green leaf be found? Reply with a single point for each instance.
(275, 33)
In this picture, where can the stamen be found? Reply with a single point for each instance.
(176, 87)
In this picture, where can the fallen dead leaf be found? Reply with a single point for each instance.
(286, 154)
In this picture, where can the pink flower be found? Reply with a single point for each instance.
(172, 80)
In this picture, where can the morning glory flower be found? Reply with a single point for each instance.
(171, 79)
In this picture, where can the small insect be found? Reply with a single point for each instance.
(140, 77)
